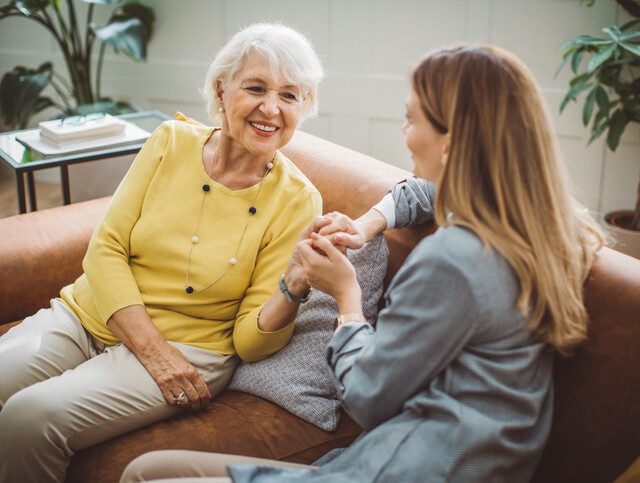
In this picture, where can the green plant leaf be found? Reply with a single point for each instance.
(632, 8)
(576, 61)
(600, 58)
(30, 7)
(586, 41)
(20, 93)
(125, 36)
(599, 125)
(579, 79)
(633, 48)
(129, 30)
(611, 75)
(624, 90)
(630, 24)
(589, 104)
(602, 99)
(103, 2)
(617, 125)
(613, 31)
(565, 58)
(631, 35)
(42, 103)
(573, 93)
(134, 9)
(633, 105)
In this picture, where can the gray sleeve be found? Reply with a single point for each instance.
(414, 200)
(417, 335)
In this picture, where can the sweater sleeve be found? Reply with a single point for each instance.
(106, 264)
(417, 335)
(414, 201)
(250, 342)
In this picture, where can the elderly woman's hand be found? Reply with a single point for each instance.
(329, 270)
(295, 276)
(175, 376)
(179, 381)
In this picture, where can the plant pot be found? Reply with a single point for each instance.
(625, 240)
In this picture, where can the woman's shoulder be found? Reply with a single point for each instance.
(291, 178)
(455, 260)
(457, 244)
(185, 129)
(461, 251)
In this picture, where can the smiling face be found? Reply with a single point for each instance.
(428, 146)
(260, 112)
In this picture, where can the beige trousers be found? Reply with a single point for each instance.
(62, 390)
(175, 466)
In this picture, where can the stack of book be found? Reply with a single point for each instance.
(80, 134)
(80, 128)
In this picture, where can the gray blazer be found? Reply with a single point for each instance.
(450, 385)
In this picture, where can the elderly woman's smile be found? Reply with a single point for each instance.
(264, 128)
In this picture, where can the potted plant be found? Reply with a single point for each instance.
(128, 31)
(607, 70)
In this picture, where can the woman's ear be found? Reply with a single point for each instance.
(446, 146)
(219, 93)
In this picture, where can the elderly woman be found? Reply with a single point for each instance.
(182, 274)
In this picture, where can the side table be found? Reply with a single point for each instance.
(25, 161)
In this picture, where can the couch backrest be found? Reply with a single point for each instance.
(597, 391)
(40, 252)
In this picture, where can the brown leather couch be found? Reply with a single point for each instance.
(595, 432)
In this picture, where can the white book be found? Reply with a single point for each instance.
(34, 141)
(77, 128)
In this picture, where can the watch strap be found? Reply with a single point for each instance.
(291, 298)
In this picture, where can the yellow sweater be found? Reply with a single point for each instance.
(139, 252)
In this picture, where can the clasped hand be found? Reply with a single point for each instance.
(321, 254)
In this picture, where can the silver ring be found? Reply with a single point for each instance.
(180, 398)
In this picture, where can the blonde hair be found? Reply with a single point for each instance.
(288, 52)
(504, 180)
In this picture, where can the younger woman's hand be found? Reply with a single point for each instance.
(343, 231)
(328, 269)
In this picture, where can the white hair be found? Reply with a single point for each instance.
(288, 52)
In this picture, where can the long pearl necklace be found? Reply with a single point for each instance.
(188, 287)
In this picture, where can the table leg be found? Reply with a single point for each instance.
(22, 202)
(66, 191)
(32, 191)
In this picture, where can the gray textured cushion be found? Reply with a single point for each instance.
(297, 378)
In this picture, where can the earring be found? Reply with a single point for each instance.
(443, 159)
(220, 109)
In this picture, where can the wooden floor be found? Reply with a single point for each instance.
(47, 194)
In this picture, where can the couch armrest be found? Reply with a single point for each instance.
(42, 251)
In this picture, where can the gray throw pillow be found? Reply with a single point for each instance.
(297, 378)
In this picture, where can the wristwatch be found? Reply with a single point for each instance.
(289, 296)
(345, 318)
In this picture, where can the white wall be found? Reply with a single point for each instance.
(368, 47)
